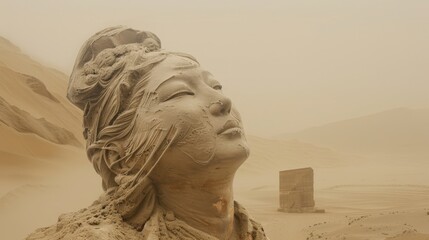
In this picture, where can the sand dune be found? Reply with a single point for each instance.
(33, 96)
(40, 147)
(12, 57)
(292, 153)
(34, 116)
(38, 87)
(269, 156)
(40, 130)
(23, 122)
(398, 131)
(27, 158)
(367, 193)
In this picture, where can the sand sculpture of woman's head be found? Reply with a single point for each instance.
(165, 140)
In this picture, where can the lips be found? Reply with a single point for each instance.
(231, 126)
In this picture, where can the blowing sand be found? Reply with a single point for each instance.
(374, 197)
(353, 211)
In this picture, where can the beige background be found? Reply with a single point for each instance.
(340, 86)
(302, 63)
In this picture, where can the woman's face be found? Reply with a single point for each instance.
(209, 130)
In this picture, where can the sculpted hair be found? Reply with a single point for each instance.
(111, 150)
(109, 83)
(121, 147)
(110, 88)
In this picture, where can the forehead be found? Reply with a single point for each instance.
(176, 66)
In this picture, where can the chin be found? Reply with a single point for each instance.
(232, 151)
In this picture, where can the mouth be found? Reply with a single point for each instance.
(230, 127)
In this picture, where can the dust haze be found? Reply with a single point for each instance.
(339, 86)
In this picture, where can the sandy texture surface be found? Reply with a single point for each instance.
(366, 196)
(352, 211)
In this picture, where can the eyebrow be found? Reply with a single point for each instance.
(205, 74)
(166, 80)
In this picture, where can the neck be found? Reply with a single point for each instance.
(205, 203)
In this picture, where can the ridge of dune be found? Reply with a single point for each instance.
(23, 122)
(31, 94)
(396, 131)
(269, 156)
(12, 57)
(279, 154)
(39, 127)
(39, 91)
(6, 45)
(38, 87)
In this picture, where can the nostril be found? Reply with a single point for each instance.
(221, 107)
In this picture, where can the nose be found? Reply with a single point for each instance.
(221, 107)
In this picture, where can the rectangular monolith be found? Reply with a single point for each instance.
(297, 191)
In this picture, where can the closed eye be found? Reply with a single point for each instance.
(179, 94)
(217, 87)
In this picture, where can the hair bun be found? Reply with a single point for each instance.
(108, 38)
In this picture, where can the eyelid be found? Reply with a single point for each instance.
(217, 86)
(179, 93)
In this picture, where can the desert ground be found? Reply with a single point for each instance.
(375, 190)
(357, 206)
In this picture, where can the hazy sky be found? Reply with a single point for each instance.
(286, 65)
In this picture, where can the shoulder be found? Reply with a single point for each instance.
(95, 222)
(249, 228)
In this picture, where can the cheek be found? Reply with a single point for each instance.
(197, 137)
